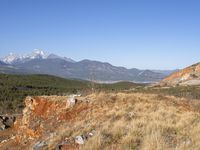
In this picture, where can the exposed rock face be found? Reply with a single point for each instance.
(187, 76)
(43, 119)
(42, 114)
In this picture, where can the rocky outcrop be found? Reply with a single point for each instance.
(187, 76)
(44, 118)
(43, 114)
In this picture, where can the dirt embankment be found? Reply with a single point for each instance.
(186, 76)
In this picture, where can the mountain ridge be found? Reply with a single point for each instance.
(35, 54)
(40, 62)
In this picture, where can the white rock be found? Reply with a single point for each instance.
(71, 101)
(79, 140)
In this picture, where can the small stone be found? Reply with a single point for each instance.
(9, 121)
(4, 141)
(12, 138)
(40, 145)
(6, 122)
(71, 101)
(80, 139)
(92, 133)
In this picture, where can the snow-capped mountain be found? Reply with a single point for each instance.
(39, 62)
(53, 56)
(36, 54)
(10, 58)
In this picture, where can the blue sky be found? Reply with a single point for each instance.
(153, 34)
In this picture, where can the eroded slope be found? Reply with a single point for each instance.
(187, 76)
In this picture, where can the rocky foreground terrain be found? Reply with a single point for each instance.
(105, 121)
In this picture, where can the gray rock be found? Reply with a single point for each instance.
(41, 145)
(6, 122)
(92, 133)
(80, 139)
(9, 121)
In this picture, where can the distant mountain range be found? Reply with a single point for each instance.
(39, 62)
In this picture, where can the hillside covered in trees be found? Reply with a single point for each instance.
(14, 88)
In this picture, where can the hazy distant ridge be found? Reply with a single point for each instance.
(42, 63)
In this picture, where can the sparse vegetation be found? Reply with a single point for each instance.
(190, 92)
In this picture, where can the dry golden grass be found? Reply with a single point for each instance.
(141, 121)
(135, 121)
(132, 121)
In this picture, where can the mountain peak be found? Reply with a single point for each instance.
(38, 51)
(35, 54)
(38, 54)
(10, 58)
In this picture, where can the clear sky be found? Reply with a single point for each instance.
(153, 34)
